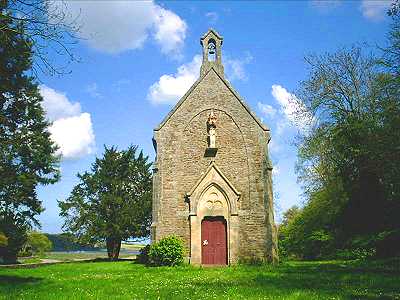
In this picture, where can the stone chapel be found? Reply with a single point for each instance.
(212, 183)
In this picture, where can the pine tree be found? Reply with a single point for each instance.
(27, 154)
(111, 203)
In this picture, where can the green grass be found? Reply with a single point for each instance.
(127, 280)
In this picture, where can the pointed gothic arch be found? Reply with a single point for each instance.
(213, 196)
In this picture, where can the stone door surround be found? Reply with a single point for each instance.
(213, 195)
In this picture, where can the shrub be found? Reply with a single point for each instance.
(360, 247)
(143, 256)
(357, 253)
(317, 244)
(168, 251)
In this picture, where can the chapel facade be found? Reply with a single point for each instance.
(212, 180)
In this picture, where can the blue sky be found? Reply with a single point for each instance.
(138, 58)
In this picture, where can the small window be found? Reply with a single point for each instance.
(212, 50)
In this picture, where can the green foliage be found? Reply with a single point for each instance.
(290, 215)
(143, 256)
(3, 240)
(112, 202)
(168, 251)
(25, 252)
(348, 160)
(36, 244)
(17, 235)
(27, 154)
(309, 235)
(39, 243)
(284, 233)
(356, 253)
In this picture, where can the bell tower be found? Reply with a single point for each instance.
(211, 42)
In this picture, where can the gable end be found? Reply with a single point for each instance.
(228, 85)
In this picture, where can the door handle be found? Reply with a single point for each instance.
(205, 243)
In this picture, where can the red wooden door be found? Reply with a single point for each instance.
(213, 241)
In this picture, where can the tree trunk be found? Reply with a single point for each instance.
(113, 247)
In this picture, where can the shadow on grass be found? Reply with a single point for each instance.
(17, 280)
(326, 281)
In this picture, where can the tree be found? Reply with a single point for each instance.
(348, 161)
(38, 242)
(290, 215)
(27, 154)
(112, 202)
(3, 240)
(47, 27)
(395, 8)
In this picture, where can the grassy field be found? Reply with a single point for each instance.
(128, 280)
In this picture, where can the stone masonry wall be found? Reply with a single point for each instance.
(242, 157)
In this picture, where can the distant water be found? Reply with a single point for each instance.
(100, 251)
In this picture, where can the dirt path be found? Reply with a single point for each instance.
(49, 261)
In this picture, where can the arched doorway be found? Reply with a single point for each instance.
(213, 218)
(214, 247)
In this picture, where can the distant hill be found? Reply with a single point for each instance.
(65, 242)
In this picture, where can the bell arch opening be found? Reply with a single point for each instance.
(212, 50)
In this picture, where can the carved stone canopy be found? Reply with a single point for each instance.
(212, 120)
(213, 179)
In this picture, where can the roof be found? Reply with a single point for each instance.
(211, 31)
(228, 85)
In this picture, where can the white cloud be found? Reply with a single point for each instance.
(212, 17)
(375, 9)
(57, 105)
(170, 31)
(235, 68)
(74, 135)
(266, 109)
(116, 26)
(169, 88)
(71, 130)
(290, 106)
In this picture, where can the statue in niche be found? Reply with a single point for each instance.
(211, 126)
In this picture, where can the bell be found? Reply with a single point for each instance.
(211, 48)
